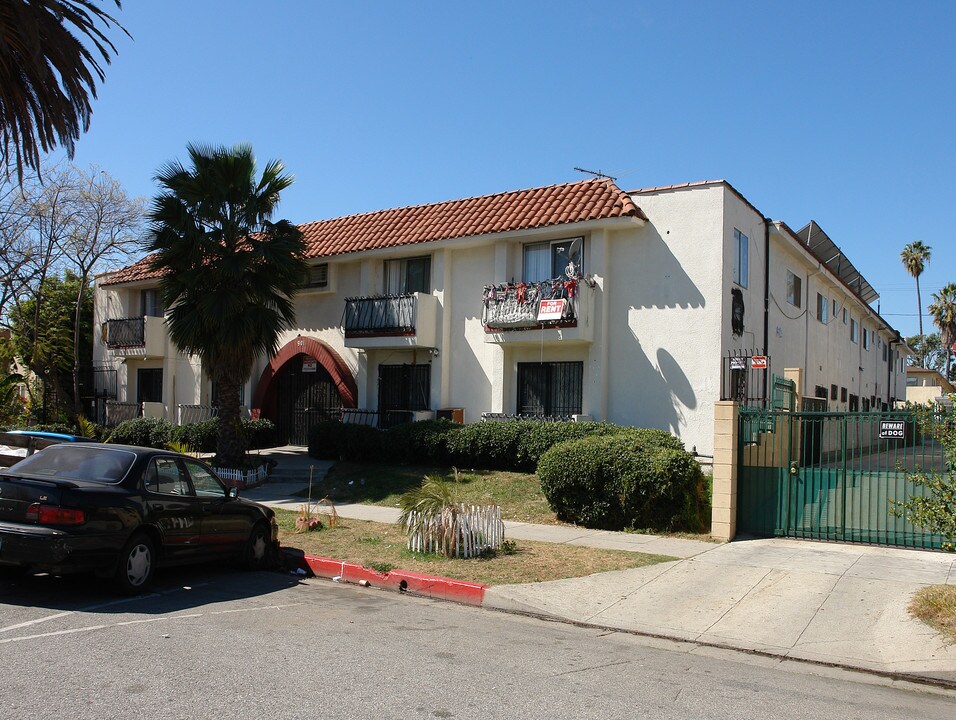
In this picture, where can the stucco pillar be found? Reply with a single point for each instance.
(795, 374)
(723, 524)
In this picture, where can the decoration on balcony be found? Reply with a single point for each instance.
(515, 305)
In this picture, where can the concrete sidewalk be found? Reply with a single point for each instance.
(822, 602)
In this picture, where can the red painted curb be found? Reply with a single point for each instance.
(433, 586)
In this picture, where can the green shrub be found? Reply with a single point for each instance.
(198, 436)
(637, 478)
(333, 440)
(260, 433)
(145, 432)
(487, 445)
(420, 442)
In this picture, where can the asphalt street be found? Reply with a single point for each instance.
(214, 643)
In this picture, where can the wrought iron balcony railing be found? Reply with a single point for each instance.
(380, 315)
(126, 332)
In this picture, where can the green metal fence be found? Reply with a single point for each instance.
(830, 476)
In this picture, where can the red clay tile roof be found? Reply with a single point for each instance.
(517, 210)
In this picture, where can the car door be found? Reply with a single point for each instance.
(172, 506)
(225, 523)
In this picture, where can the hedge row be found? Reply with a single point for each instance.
(197, 437)
(508, 445)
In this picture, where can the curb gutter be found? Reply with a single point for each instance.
(433, 586)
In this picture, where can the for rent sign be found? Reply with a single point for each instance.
(551, 310)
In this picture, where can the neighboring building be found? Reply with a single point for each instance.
(925, 386)
(435, 307)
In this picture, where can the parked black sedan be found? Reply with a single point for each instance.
(122, 511)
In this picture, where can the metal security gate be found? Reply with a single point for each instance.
(830, 476)
(306, 395)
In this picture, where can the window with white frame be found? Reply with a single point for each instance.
(318, 277)
(741, 261)
(794, 289)
(866, 339)
(151, 303)
(553, 259)
(844, 316)
(834, 313)
(854, 331)
(822, 306)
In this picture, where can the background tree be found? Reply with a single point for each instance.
(230, 272)
(915, 257)
(943, 310)
(48, 74)
(42, 332)
(930, 348)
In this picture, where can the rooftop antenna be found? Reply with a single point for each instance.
(597, 174)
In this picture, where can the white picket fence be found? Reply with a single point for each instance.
(464, 532)
(243, 478)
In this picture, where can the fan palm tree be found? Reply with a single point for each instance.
(48, 74)
(230, 272)
(915, 257)
(943, 310)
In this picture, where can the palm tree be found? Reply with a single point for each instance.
(230, 272)
(943, 310)
(48, 74)
(915, 257)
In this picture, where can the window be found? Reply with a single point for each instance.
(550, 260)
(741, 250)
(318, 277)
(822, 305)
(551, 388)
(833, 392)
(404, 387)
(820, 391)
(149, 385)
(203, 482)
(844, 316)
(854, 331)
(842, 394)
(866, 339)
(403, 277)
(834, 313)
(854, 403)
(866, 404)
(794, 290)
(166, 476)
(151, 303)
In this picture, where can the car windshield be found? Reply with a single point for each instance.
(77, 462)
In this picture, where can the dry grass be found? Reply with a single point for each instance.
(936, 606)
(382, 547)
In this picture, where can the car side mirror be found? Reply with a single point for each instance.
(232, 492)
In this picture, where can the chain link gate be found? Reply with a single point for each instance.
(829, 476)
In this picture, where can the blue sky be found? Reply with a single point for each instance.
(837, 111)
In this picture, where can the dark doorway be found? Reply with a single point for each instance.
(306, 395)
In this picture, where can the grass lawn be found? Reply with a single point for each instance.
(518, 494)
(382, 547)
(936, 606)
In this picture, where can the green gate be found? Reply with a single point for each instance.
(829, 476)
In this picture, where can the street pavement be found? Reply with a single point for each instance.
(830, 603)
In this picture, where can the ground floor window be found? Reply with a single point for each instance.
(149, 385)
(552, 388)
(404, 387)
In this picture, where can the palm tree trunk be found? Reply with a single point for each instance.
(230, 444)
(919, 309)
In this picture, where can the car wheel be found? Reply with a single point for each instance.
(259, 553)
(136, 565)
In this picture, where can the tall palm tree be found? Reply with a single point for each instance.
(915, 257)
(50, 55)
(230, 272)
(943, 310)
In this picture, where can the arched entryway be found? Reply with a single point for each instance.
(305, 383)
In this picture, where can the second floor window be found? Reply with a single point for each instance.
(403, 277)
(854, 331)
(741, 250)
(822, 306)
(151, 303)
(550, 260)
(794, 289)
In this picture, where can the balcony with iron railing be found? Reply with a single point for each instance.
(137, 337)
(390, 321)
(538, 312)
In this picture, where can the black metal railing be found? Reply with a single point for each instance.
(373, 418)
(382, 314)
(97, 381)
(516, 305)
(126, 332)
(504, 417)
(745, 377)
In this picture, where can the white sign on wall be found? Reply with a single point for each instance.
(309, 365)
